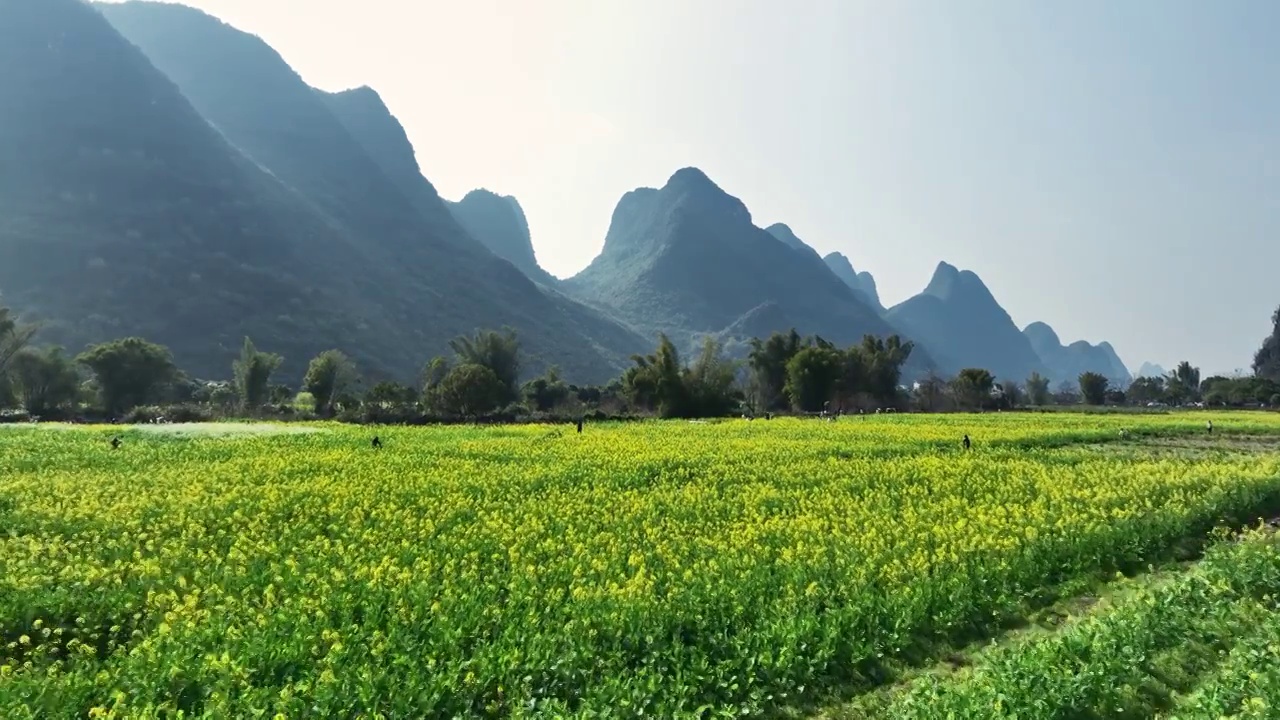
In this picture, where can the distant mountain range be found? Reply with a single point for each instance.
(1150, 370)
(862, 282)
(1067, 363)
(687, 260)
(164, 174)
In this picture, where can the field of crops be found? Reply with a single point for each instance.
(673, 569)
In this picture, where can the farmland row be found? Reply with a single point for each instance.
(1202, 644)
(660, 569)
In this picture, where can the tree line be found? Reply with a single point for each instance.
(785, 372)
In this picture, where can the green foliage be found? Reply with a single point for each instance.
(330, 375)
(469, 390)
(768, 365)
(433, 374)
(498, 351)
(709, 383)
(252, 375)
(882, 361)
(13, 338)
(930, 393)
(1038, 390)
(1146, 390)
(654, 382)
(1011, 392)
(972, 387)
(304, 402)
(1183, 384)
(546, 392)
(44, 381)
(1266, 363)
(1093, 388)
(812, 377)
(1238, 392)
(129, 372)
(391, 394)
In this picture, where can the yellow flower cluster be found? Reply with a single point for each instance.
(659, 569)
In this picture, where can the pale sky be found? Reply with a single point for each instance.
(1107, 166)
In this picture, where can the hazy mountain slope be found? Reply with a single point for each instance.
(859, 281)
(370, 123)
(498, 222)
(787, 235)
(431, 276)
(1067, 363)
(686, 259)
(1150, 370)
(122, 212)
(959, 320)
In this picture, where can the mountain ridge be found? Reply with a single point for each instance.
(1065, 363)
(863, 282)
(958, 317)
(687, 260)
(395, 285)
(499, 223)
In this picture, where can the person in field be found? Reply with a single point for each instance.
(579, 426)
(377, 443)
(967, 444)
(1210, 426)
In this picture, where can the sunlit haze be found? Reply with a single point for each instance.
(1109, 168)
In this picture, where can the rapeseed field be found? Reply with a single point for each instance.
(665, 569)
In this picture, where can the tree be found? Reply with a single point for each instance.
(1093, 388)
(768, 363)
(972, 387)
(1266, 363)
(391, 394)
(1038, 390)
(1067, 393)
(1012, 393)
(329, 375)
(812, 376)
(1183, 384)
(13, 338)
(655, 381)
(498, 351)
(930, 393)
(432, 375)
(470, 390)
(856, 367)
(252, 375)
(129, 372)
(709, 382)
(883, 359)
(1146, 390)
(44, 380)
(546, 392)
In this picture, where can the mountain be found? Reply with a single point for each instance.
(788, 237)
(233, 203)
(370, 123)
(960, 321)
(1150, 370)
(1067, 363)
(859, 281)
(499, 223)
(686, 259)
(123, 212)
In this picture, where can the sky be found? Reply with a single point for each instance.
(1107, 167)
